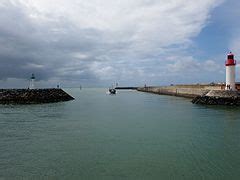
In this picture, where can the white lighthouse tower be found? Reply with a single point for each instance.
(32, 80)
(230, 72)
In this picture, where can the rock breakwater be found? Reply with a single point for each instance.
(219, 97)
(201, 94)
(33, 96)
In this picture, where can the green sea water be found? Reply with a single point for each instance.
(132, 135)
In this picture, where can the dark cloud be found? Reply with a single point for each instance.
(27, 47)
(96, 46)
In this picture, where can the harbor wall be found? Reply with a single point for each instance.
(33, 96)
(190, 91)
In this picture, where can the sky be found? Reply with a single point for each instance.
(96, 43)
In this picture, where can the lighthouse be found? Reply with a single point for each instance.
(32, 79)
(230, 72)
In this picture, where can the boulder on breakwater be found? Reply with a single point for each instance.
(219, 97)
(33, 96)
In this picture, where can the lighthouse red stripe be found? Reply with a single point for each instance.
(230, 62)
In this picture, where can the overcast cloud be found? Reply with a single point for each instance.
(94, 42)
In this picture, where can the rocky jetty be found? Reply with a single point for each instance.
(219, 97)
(33, 96)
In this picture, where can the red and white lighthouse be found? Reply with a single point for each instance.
(230, 72)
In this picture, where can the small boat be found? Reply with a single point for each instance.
(112, 91)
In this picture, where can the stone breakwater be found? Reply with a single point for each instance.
(33, 96)
(190, 91)
(219, 97)
(201, 94)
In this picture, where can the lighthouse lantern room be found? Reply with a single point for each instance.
(230, 72)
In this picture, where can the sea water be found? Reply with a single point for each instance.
(131, 135)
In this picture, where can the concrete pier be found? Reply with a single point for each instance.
(126, 88)
(200, 94)
(33, 96)
(190, 91)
